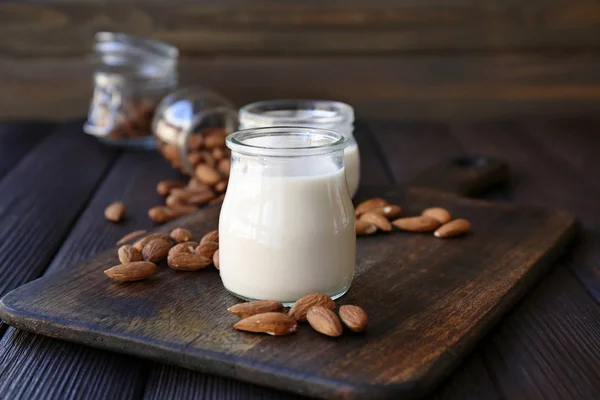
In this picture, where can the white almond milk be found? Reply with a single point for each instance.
(286, 231)
(352, 166)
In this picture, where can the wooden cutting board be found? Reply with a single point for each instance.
(428, 300)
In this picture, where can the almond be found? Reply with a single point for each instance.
(164, 187)
(325, 321)
(130, 236)
(224, 166)
(196, 185)
(195, 141)
(133, 271)
(208, 159)
(376, 219)
(416, 224)
(438, 213)
(212, 236)
(180, 235)
(207, 174)
(156, 250)
(213, 141)
(195, 158)
(245, 310)
(185, 247)
(454, 228)
(391, 211)
(273, 323)
(188, 262)
(301, 307)
(174, 200)
(115, 211)
(162, 214)
(143, 241)
(218, 154)
(201, 198)
(354, 317)
(365, 228)
(129, 254)
(216, 259)
(207, 249)
(221, 187)
(370, 204)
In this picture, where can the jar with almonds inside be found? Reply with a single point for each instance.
(132, 76)
(190, 126)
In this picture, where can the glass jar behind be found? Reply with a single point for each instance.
(287, 223)
(133, 76)
(323, 114)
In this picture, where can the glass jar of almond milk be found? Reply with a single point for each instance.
(312, 113)
(287, 223)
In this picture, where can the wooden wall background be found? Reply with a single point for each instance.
(402, 59)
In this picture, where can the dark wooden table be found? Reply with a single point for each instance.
(55, 182)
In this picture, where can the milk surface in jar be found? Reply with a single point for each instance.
(287, 223)
(311, 113)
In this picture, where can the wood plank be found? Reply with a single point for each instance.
(42, 198)
(17, 139)
(432, 87)
(66, 28)
(549, 346)
(81, 372)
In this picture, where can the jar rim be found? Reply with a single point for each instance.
(324, 141)
(322, 112)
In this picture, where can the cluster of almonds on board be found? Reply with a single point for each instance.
(139, 260)
(268, 316)
(375, 214)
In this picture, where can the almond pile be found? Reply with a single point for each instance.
(211, 161)
(268, 316)
(378, 214)
(140, 260)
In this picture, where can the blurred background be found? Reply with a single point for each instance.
(390, 59)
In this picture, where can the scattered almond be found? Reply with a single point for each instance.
(115, 211)
(130, 236)
(185, 247)
(216, 259)
(164, 187)
(438, 213)
(416, 224)
(129, 254)
(454, 228)
(180, 235)
(212, 236)
(133, 271)
(273, 323)
(391, 211)
(207, 249)
(245, 310)
(156, 250)
(354, 317)
(207, 174)
(201, 198)
(187, 262)
(162, 214)
(218, 154)
(301, 307)
(365, 228)
(213, 141)
(376, 219)
(195, 184)
(143, 241)
(324, 320)
(370, 204)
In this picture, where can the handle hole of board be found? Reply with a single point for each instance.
(470, 162)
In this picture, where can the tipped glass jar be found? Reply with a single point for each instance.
(133, 76)
(287, 223)
(190, 126)
(323, 114)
